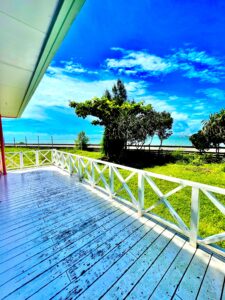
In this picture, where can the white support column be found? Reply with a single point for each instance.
(194, 216)
(141, 193)
(21, 160)
(37, 157)
(111, 181)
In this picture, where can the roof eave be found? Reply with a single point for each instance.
(60, 26)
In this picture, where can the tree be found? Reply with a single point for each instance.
(164, 123)
(151, 125)
(214, 129)
(108, 110)
(200, 141)
(212, 133)
(82, 140)
(136, 127)
(107, 95)
(119, 92)
(124, 121)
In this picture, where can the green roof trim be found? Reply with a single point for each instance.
(65, 15)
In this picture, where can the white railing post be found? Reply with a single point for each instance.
(56, 158)
(80, 173)
(194, 216)
(92, 174)
(37, 157)
(111, 181)
(52, 156)
(70, 165)
(141, 193)
(21, 160)
(63, 161)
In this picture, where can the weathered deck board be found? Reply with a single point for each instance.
(61, 240)
(152, 277)
(213, 282)
(170, 281)
(150, 241)
(194, 275)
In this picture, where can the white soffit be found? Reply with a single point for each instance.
(30, 33)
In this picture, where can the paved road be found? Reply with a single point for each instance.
(95, 146)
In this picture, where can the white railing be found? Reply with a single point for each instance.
(26, 159)
(113, 179)
(144, 191)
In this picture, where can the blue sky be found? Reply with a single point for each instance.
(169, 53)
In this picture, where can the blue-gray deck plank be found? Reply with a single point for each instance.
(60, 240)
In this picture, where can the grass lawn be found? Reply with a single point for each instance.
(211, 220)
(95, 155)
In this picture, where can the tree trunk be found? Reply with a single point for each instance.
(113, 148)
(160, 146)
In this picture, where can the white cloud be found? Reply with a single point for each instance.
(213, 93)
(158, 103)
(199, 64)
(35, 111)
(136, 88)
(118, 49)
(179, 116)
(162, 104)
(173, 98)
(199, 107)
(133, 62)
(57, 88)
(190, 62)
(204, 75)
(195, 124)
(72, 67)
(192, 55)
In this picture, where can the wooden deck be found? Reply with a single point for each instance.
(60, 240)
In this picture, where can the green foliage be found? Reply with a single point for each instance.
(200, 141)
(124, 121)
(102, 144)
(108, 110)
(212, 133)
(81, 141)
(119, 92)
(210, 158)
(164, 123)
(195, 159)
(179, 156)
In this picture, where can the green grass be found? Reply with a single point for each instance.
(211, 220)
(92, 154)
(18, 149)
(29, 158)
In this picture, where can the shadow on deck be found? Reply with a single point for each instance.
(61, 240)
